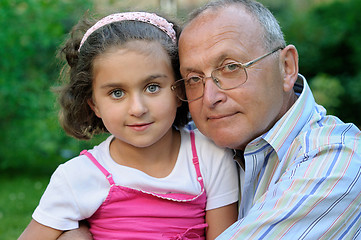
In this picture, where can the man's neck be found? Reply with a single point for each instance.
(239, 157)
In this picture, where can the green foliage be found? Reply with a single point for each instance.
(19, 195)
(328, 40)
(322, 85)
(327, 37)
(31, 32)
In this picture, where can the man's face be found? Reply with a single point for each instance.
(232, 118)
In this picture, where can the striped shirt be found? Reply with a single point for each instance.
(302, 178)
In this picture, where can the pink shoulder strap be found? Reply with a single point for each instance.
(110, 177)
(101, 168)
(195, 159)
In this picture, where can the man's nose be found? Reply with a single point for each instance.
(212, 94)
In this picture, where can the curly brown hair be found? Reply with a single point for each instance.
(76, 116)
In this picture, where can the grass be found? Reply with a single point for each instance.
(19, 196)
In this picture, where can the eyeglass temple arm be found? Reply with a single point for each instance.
(245, 65)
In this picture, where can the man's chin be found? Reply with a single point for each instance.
(228, 140)
(222, 140)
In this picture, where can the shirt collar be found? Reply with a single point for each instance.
(282, 134)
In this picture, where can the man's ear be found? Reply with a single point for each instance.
(289, 62)
(179, 103)
(93, 106)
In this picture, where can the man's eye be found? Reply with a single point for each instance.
(231, 67)
(152, 88)
(117, 94)
(193, 80)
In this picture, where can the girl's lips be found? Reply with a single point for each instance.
(140, 126)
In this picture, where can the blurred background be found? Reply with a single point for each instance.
(327, 34)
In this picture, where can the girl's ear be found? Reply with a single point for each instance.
(289, 62)
(93, 106)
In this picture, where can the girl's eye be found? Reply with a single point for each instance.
(117, 94)
(152, 88)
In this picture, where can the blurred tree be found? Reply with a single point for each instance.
(322, 85)
(328, 39)
(31, 32)
(327, 36)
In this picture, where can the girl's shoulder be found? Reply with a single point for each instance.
(81, 166)
(206, 149)
(199, 137)
(78, 185)
(218, 170)
(100, 149)
(202, 141)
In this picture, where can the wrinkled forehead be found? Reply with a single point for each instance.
(216, 32)
(220, 21)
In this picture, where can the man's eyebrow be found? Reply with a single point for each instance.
(215, 63)
(220, 59)
(188, 69)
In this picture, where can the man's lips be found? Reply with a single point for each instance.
(220, 116)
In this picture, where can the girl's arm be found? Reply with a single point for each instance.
(38, 231)
(81, 233)
(219, 219)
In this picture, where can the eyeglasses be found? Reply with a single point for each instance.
(227, 77)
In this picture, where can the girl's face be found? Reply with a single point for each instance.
(132, 94)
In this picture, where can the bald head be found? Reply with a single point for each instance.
(272, 34)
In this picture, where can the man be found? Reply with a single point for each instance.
(299, 169)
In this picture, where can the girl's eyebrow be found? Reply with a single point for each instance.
(111, 85)
(152, 77)
(146, 80)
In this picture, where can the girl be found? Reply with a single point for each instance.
(150, 179)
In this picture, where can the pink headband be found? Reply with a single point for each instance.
(150, 18)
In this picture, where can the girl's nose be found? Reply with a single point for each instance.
(137, 106)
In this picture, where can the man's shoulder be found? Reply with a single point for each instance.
(328, 134)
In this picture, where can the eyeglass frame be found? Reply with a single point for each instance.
(216, 81)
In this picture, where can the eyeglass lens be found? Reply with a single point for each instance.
(227, 77)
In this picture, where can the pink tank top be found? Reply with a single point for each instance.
(129, 213)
